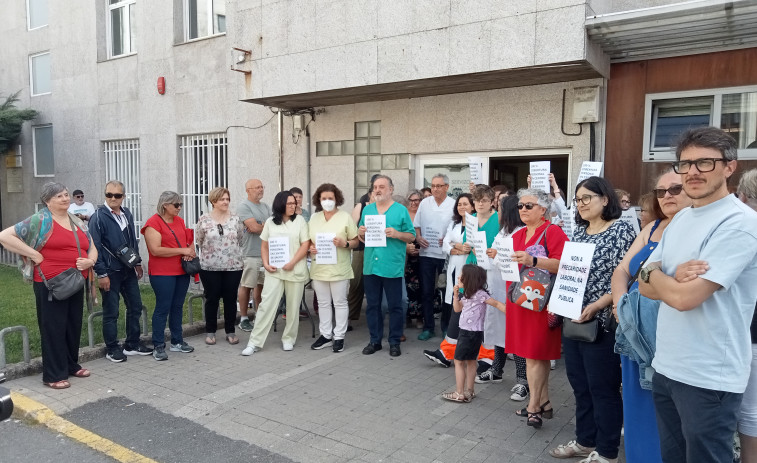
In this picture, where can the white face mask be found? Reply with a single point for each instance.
(328, 205)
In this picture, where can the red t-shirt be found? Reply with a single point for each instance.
(60, 252)
(168, 265)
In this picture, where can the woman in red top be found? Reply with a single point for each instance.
(168, 241)
(527, 333)
(46, 242)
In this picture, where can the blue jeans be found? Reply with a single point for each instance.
(392, 288)
(696, 425)
(594, 374)
(428, 268)
(170, 291)
(123, 283)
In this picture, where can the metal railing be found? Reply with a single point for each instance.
(7, 257)
(24, 338)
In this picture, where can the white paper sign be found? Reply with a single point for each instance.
(589, 169)
(570, 284)
(471, 224)
(432, 236)
(476, 169)
(324, 244)
(540, 175)
(478, 241)
(631, 219)
(568, 222)
(278, 251)
(504, 262)
(375, 231)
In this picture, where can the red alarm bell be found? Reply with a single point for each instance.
(161, 85)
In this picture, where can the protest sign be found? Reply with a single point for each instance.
(507, 266)
(476, 169)
(570, 284)
(324, 244)
(375, 231)
(278, 251)
(540, 175)
(589, 169)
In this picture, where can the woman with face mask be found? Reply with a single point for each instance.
(333, 234)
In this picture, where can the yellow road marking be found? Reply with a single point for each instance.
(27, 409)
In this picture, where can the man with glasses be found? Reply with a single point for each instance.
(703, 271)
(81, 208)
(431, 221)
(112, 227)
(253, 213)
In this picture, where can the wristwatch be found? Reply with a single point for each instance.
(347, 244)
(646, 271)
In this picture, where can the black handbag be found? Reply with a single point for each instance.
(538, 285)
(67, 283)
(125, 254)
(585, 332)
(190, 267)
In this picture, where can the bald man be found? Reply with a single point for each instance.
(253, 213)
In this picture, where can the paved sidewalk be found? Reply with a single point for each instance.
(320, 406)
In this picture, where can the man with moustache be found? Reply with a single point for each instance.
(383, 267)
(703, 271)
(253, 213)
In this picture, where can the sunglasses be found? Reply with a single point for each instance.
(220, 229)
(675, 190)
(528, 206)
(79, 196)
(112, 195)
(177, 205)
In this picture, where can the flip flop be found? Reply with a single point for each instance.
(83, 373)
(454, 396)
(232, 339)
(210, 339)
(62, 384)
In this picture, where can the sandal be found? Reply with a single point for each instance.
(62, 384)
(454, 397)
(547, 414)
(534, 420)
(232, 339)
(82, 373)
(570, 450)
(210, 339)
(469, 396)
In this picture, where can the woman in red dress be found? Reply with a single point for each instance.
(528, 334)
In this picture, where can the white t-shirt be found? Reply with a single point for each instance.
(432, 219)
(86, 209)
(710, 346)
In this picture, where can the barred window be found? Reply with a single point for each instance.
(122, 164)
(204, 161)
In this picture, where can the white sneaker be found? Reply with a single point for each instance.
(519, 393)
(594, 457)
(552, 364)
(249, 350)
(286, 346)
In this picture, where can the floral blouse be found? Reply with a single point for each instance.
(220, 244)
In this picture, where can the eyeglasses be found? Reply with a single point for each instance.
(675, 190)
(177, 205)
(112, 195)
(585, 199)
(528, 206)
(625, 201)
(220, 229)
(414, 200)
(81, 196)
(703, 165)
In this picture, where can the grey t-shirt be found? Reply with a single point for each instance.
(261, 212)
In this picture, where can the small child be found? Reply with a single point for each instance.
(473, 303)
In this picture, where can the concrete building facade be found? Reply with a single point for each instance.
(301, 92)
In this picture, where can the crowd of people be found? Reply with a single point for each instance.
(662, 350)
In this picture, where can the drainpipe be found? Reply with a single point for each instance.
(307, 178)
(281, 150)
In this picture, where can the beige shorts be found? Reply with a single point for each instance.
(253, 273)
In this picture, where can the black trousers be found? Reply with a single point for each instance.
(60, 330)
(220, 285)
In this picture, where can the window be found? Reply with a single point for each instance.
(39, 73)
(667, 115)
(204, 161)
(203, 18)
(36, 13)
(122, 164)
(122, 27)
(42, 141)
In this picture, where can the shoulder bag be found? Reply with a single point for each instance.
(535, 286)
(124, 253)
(585, 332)
(191, 267)
(67, 283)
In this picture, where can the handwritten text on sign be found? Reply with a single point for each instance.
(324, 244)
(570, 284)
(432, 236)
(476, 169)
(589, 169)
(630, 218)
(540, 175)
(478, 241)
(278, 251)
(506, 265)
(375, 231)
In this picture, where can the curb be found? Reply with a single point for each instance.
(86, 354)
(31, 411)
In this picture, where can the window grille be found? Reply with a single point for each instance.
(122, 164)
(204, 161)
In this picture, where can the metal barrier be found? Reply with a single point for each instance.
(190, 299)
(24, 338)
(99, 313)
(7, 257)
